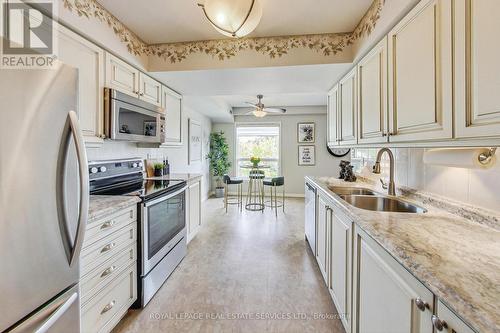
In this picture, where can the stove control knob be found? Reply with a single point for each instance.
(93, 170)
(102, 169)
(140, 164)
(135, 165)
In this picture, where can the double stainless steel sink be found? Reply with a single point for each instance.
(369, 200)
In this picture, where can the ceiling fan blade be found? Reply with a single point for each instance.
(248, 113)
(274, 110)
(252, 104)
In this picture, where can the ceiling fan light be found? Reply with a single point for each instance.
(259, 113)
(233, 18)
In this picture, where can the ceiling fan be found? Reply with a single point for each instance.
(260, 109)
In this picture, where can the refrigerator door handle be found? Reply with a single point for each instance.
(84, 185)
(54, 317)
(73, 247)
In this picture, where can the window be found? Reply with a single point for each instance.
(263, 141)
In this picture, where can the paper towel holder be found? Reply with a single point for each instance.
(486, 157)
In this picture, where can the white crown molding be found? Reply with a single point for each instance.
(223, 49)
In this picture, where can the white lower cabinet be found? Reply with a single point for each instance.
(447, 322)
(322, 240)
(373, 293)
(108, 282)
(340, 266)
(193, 208)
(386, 295)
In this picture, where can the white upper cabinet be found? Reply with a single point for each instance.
(149, 89)
(121, 76)
(372, 95)
(172, 103)
(88, 58)
(477, 54)
(387, 298)
(420, 74)
(347, 109)
(332, 116)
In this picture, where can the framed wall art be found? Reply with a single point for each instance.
(307, 156)
(306, 132)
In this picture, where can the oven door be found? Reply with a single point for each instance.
(163, 225)
(133, 123)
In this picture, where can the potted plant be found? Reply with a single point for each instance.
(255, 161)
(158, 167)
(219, 160)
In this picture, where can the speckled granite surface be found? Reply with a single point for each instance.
(456, 258)
(102, 205)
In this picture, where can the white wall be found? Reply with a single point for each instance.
(326, 164)
(178, 156)
(471, 186)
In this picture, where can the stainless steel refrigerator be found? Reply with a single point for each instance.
(43, 200)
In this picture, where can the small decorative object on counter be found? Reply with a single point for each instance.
(158, 169)
(343, 165)
(166, 167)
(349, 174)
(255, 161)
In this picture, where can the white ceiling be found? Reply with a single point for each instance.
(164, 21)
(215, 92)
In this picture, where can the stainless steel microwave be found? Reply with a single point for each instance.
(128, 118)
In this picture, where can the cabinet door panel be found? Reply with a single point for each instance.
(372, 102)
(476, 58)
(347, 111)
(172, 103)
(453, 322)
(340, 267)
(322, 237)
(88, 58)
(149, 89)
(420, 74)
(121, 76)
(385, 293)
(332, 115)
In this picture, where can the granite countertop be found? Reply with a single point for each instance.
(102, 205)
(179, 176)
(456, 258)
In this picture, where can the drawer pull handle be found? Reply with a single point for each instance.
(108, 247)
(108, 271)
(421, 304)
(108, 307)
(108, 224)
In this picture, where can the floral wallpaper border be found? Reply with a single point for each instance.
(223, 49)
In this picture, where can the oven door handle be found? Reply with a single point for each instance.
(163, 198)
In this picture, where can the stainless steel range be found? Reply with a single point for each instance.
(162, 218)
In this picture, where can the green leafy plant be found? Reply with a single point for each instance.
(219, 156)
(158, 166)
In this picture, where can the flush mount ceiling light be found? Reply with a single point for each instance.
(233, 18)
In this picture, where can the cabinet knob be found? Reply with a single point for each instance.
(438, 324)
(102, 136)
(421, 304)
(384, 134)
(108, 307)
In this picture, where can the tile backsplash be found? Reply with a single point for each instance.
(477, 187)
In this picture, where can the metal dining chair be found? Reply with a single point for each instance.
(233, 200)
(274, 183)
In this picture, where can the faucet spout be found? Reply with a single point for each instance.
(391, 189)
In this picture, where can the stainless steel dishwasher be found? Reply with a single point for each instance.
(310, 216)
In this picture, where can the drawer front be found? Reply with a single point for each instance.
(109, 224)
(103, 250)
(102, 275)
(102, 313)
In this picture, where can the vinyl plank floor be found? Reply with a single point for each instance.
(244, 272)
